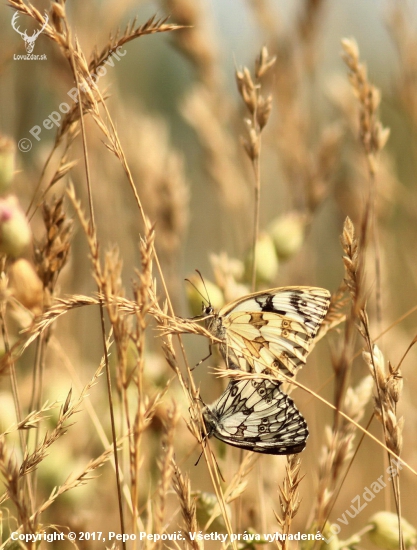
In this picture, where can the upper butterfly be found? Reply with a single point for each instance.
(271, 328)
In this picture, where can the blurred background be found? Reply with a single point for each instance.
(176, 107)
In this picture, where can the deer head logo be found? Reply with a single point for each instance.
(29, 40)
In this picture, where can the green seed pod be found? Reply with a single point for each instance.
(266, 261)
(7, 163)
(384, 533)
(15, 233)
(207, 506)
(287, 233)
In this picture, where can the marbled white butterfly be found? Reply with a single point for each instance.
(256, 415)
(271, 328)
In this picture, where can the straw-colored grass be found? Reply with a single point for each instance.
(114, 208)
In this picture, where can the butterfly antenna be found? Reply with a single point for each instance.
(193, 285)
(205, 288)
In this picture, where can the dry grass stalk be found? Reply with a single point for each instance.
(80, 479)
(194, 40)
(15, 475)
(108, 282)
(72, 483)
(334, 316)
(403, 34)
(182, 487)
(142, 293)
(31, 420)
(389, 387)
(167, 470)
(373, 137)
(59, 31)
(308, 168)
(353, 266)
(131, 32)
(309, 31)
(196, 425)
(207, 113)
(338, 450)
(108, 129)
(14, 486)
(52, 255)
(238, 483)
(339, 442)
(31, 460)
(259, 108)
(207, 107)
(372, 134)
(308, 158)
(353, 260)
(164, 188)
(289, 498)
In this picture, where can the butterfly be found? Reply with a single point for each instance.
(270, 328)
(256, 415)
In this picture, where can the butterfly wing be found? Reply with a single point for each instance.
(256, 415)
(274, 328)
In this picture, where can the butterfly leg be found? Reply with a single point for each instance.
(204, 359)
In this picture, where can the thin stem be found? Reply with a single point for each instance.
(103, 328)
(257, 172)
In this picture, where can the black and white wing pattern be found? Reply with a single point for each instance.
(272, 328)
(256, 415)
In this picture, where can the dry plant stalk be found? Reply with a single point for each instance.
(181, 485)
(339, 444)
(59, 31)
(167, 469)
(338, 450)
(389, 387)
(309, 169)
(107, 278)
(15, 475)
(51, 255)
(309, 159)
(372, 134)
(289, 498)
(388, 392)
(334, 316)
(353, 260)
(207, 107)
(373, 137)
(194, 40)
(401, 28)
(142, 294)
(259, 108)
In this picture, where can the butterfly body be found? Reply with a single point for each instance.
(272, 328)
(257, 416)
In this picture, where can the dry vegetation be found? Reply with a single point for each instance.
(100, 417)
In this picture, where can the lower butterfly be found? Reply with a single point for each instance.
(269, 329)
(256, 415)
